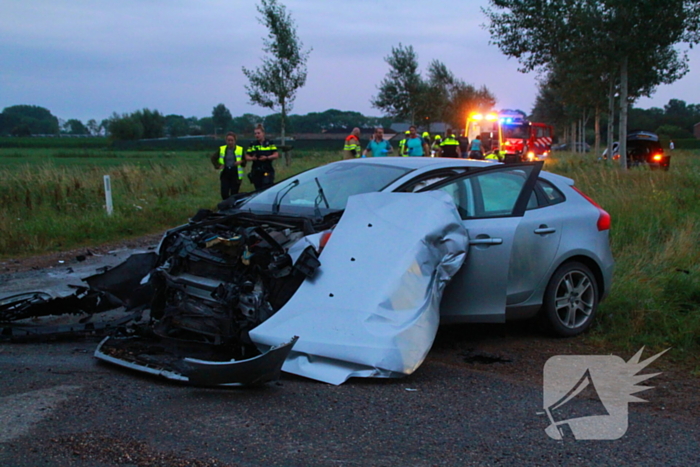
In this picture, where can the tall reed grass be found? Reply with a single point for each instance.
(655, 238)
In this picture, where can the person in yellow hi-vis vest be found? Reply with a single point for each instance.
(229, 161)
(352, 148)
(496, 155)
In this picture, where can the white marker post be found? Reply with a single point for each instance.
(108, 195)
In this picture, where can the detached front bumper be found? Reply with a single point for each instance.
(156, 359)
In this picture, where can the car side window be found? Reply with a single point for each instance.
(551, 194)
(490, 194)
(545, 194)
(429, 179)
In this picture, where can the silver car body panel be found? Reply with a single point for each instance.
(477, 293)
(372, 309)
(579, 239)
(575, 237)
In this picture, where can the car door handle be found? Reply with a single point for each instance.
(545, 230)
(486, 241)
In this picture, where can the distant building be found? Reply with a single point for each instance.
(696, 130)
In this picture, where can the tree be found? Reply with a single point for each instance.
(144, 123)
(152, 121)
(245, 124)
(402, 91)
(124, 127)
(75, 127)
(26, 120)
(176, 125)
(633, 41)
(93, 127)
(274, 84)
(222, 118)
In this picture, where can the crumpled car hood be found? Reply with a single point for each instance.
(236, 297)
(372, 309)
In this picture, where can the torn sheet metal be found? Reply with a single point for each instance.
(372, 309)
(260, 369)
(35, 316)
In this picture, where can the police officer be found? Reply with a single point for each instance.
(463, 144)
(261, 153)
(229, 160)
(449, 147)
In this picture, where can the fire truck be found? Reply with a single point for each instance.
(513, 135)
(530, 140)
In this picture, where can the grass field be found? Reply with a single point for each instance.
(54, 199)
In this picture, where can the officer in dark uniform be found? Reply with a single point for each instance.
(261, 153)
(449, 147)
(463, 145)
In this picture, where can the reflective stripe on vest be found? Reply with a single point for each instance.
(449, 141)
(402, 148)
(239, 156)
(496, 156)
(351, 144)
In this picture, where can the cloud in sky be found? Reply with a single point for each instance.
(88, 58)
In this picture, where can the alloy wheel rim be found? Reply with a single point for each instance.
(574, 299)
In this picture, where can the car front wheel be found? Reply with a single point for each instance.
(570, 301)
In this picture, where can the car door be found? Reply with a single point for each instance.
(491, 203)
(536, 242)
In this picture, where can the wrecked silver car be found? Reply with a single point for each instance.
(344, 271)
(188, 310)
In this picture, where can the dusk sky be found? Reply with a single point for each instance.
(88, 58)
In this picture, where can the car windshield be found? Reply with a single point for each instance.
(324, 189)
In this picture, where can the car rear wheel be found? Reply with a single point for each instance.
(570, 300)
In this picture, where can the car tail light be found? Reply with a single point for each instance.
(604, 219)
(657, 157)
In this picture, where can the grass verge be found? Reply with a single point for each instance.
(655, 299)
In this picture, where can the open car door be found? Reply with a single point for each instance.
(491, 203)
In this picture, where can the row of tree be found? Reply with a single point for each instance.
(674, 121)
(147, 123)
(596, 55)
(440, 97)
(27, 120)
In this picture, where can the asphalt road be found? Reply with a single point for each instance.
(60, 406)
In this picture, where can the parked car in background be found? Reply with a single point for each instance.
(643, 149)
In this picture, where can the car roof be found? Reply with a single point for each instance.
(432, 163)
(639, 135)
(419, 162)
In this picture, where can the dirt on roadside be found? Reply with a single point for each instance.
(68, 257)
